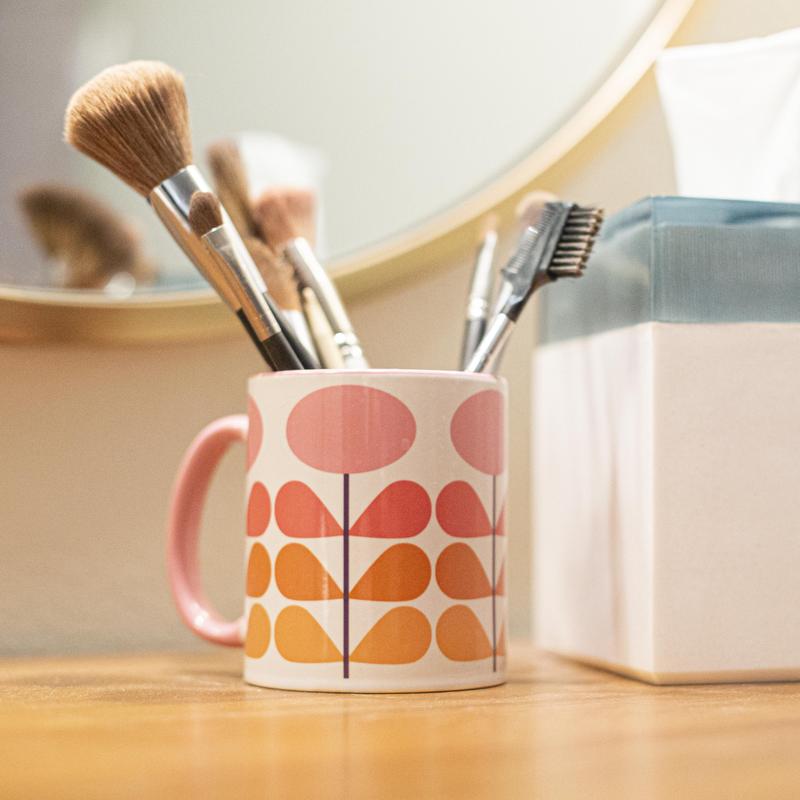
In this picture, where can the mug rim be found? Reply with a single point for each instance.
(452, 374)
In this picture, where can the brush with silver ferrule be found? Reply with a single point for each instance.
(134, 119)
(480, 290)
(205, 218)
(558, 248)
(283, 216)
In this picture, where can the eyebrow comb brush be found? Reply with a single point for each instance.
(558, 248)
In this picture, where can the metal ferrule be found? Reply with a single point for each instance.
(232, 256)
(170, 200)
(299, 254)
(481, 288)
(486, 357)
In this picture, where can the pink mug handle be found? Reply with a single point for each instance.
(186, 510)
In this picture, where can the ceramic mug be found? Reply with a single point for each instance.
(375, 547)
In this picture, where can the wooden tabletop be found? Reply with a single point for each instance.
(185, 726)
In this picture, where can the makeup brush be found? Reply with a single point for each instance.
(558, 248)
(284, 216)
(282, 286)
(230, 181)
(321, 332)
(480, 291)
(134, 119)
(529, 213)
(93, 243)
(207, 222)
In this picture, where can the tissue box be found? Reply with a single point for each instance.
(666, 446)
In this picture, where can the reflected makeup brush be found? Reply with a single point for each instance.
(558, 248)
(207, 222)
(480, 291)
(134, 119)
(96, 247)
(285, 217)
(282, 286)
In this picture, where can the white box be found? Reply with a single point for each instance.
(667, 500)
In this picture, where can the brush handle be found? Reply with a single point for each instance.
(242, 317)
(304, 357)
(321, 331)
(312, 274)
(280, 353)
(474, 330)
(490, 350)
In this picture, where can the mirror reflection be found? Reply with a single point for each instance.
(386, 113)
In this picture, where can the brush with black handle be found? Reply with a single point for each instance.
(558, 247)
(207, 222)
(134, 119)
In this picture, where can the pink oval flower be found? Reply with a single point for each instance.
(477, 431)
(350, 429)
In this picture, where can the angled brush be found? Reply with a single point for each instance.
(558, 248)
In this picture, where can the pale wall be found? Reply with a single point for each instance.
(91, 437)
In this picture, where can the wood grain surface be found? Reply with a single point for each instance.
(186, 726)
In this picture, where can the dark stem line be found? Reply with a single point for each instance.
(346, 574)
(494, 573)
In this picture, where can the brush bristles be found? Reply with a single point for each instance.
(90, 238)
(205, 213)
(278, 275)
(133, 119)
(576, 242)
(230, 182)
(285, 214)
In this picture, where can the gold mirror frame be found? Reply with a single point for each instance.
(37, 315)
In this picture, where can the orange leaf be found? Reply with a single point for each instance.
(401, 510)
(258, 629)
(300, 513)
(400, 573)
(460, 574)
(460, 635)
(400, 637)
(299, 638)
(300, 576)
(258, 570)
(460, 511)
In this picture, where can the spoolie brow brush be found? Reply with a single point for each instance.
(558, 247)
(480, 290)
(134, 120)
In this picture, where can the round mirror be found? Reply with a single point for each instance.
(409, 121)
